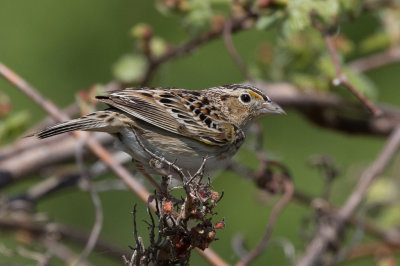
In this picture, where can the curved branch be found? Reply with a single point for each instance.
(328, 233)
(377, 60)
(237, 24)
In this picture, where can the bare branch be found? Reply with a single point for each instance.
(376, 60)
(230, 47)
(98, 223)
(289, 189)
(39, 228)
(329, 111)
(237, 25)
(372, 249)
(328, 233)
(342, 79)
(41, 259)
(29, 158)
(64, 253)
(94, 146)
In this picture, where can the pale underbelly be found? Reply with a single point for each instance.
(186, 153)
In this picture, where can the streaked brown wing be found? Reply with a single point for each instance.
(173, 110)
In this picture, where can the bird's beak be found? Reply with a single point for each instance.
(271, 108)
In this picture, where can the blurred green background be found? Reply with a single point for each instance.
(61, 47)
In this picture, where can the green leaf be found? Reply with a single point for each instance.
(352, 6)
(158, 46)
(199, 13)
(13, 126)
(362, 83)
(265, 22)
(130, 68)
(325, 65)
(299, 17)
(374, 42)
(390, 216)
(381, 191)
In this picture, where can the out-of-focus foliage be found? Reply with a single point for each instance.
(86, 99)
(289, 47)
(130, 68)
(384, 196)
(196, 15)
(298, 54)
(12, 124)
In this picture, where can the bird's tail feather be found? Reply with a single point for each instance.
(97, 121)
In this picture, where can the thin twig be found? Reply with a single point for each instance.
(42, 229)
(342, 79)
(328, 233)
(373, 230)
(376, 60)
(289, 189)
(230, 47)
(237, 25)
(63, 252)
(389, 150)
(41, 259)
(98, 223)
(94, 146)
(27, 159)
(372, 249)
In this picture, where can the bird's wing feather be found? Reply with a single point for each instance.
(177, 111)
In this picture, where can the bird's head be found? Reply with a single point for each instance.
(242, 103)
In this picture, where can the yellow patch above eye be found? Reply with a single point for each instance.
(256, 95)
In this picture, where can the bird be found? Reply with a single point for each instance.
(178, 125)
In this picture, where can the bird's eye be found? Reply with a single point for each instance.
(245, 98)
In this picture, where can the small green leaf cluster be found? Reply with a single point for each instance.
(12, 124)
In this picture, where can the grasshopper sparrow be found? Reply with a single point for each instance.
(182, 126)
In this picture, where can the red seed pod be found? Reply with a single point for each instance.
(168, 207)
(219, 225)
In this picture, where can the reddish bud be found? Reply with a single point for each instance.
(214, 195)
(168, 207)
(219, 225)
(264, 3)
(84, 95)
(142, 31)
(5, 108)
(217, 23)
(211, 235)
